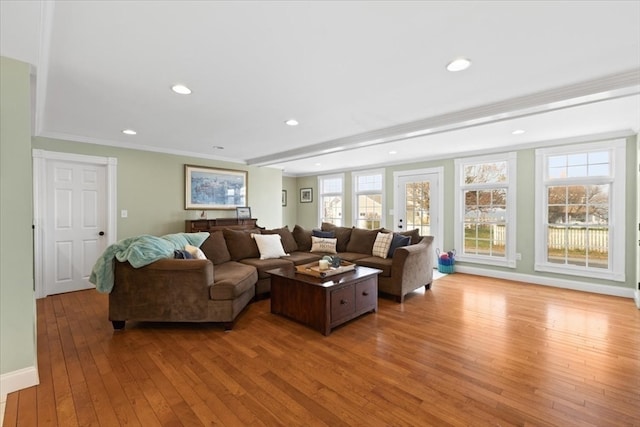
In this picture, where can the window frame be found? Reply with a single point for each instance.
(322, 194)
(356, 193)
(616, 179)
(509, 259)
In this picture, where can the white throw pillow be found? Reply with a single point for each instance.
(323, 244)
(195, 252)
(269, 245)
(382, 244)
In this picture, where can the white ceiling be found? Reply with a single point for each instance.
(363, 78)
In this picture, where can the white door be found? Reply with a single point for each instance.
(418, 203)
(75, 225)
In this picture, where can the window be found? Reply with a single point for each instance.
(580, 210)
(485, 209)
(331, 198)
(368, 199)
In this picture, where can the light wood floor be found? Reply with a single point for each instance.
(472, 351)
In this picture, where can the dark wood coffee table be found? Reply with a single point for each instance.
(324, 303)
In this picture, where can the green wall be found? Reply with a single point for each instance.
(151, 188)
(307, 215)
(289, 212)
(17, 300)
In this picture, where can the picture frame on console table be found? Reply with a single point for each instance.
(243, 212)
(213, 188)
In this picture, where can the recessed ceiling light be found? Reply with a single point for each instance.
(318, 164)
(181, 89)
(393, 152)
(517, 132)
(129, 132)
(458, 64)
(291, 122)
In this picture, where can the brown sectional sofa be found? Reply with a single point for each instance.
(218, 288)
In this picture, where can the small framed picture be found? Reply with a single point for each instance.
(243, 212)
(284, 197)
(306, 195)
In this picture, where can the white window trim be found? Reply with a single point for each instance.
(321, 193)
(509, 259)
(616, 270)
(355, 194)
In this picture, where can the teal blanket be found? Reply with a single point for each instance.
(139, 251)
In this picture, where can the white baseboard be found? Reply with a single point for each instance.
(17, 380)
(553, 282)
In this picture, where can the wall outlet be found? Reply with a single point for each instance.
(124, 213)
(518, 257)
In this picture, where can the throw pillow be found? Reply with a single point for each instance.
(215, 248)
(343, 234)
(195, 252)
(398, 241)
(381, 245)
(325, 234)
(324, 245)
(182, 254)
(303, 238)
(414, 234)
(240, 244)
(288, 241)
(269, 245)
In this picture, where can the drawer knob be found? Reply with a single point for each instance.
(365, 293)
(344, 301)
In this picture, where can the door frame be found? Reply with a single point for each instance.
(41, 159)
(438, 236)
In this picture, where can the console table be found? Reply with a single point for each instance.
(211, 225)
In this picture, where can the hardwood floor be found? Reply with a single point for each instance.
(471, 351)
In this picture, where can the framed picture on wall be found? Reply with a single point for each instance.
(306, 195)
(211, 188)
(284, 197)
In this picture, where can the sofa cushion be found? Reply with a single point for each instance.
(299, 258)
(323, 245)
(288, 241)
(381, 245)
(361, 240)
(215, 248)
(232, 279)
(383, 264)
(303, 238)
(264, 265)
(240, 244)
(269, 245)
(352, 256)
(343, 234)
(414, 234)
(398, 241)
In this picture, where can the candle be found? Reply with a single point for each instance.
(323, 264)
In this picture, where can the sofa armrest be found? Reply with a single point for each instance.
(412, 265)
(168, 289)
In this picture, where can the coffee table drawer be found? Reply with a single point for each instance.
(366, 294)
(342, 303)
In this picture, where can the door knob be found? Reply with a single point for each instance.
(101, 233)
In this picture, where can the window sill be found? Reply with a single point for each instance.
(487, 261)
(582, 272)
